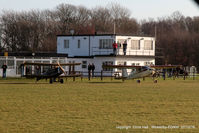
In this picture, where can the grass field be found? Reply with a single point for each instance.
(95, 106)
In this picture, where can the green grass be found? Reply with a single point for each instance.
(96, 106)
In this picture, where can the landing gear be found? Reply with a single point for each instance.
(54, 80)
(138, 81)
(61, 81)
(51, 80)
(155, 81)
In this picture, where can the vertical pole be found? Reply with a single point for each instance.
(101, 74)
(114, 27)
(111, 75)
(89, 75)
(194, 74)
(184, 76)
(73, 69)
(81, 76)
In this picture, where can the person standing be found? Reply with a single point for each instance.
(4, 67)
(22, 69)
(114, 48)
(93, 69)
(124, 47)
(89, 71)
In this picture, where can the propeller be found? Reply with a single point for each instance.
(61, 68)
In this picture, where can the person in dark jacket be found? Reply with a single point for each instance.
(93, 69)
(89, 69)
(4, 67)
(124, 47)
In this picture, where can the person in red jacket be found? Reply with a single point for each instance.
(114, 48)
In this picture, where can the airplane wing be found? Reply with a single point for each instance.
(51, 64)
(165, 66)
(121, 66)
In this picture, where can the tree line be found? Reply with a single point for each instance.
(177, 36)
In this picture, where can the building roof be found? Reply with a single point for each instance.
(104, 35)
(36, 54)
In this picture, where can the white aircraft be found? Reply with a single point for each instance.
(136, 71)
(139, 71)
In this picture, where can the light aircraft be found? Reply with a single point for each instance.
(139, 71)
(54, 72)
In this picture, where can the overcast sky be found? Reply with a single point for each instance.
(140, 9)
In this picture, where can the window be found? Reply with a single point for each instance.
(105, 43)
(137, 64)
(148, 45)
(135, 44)
(84, 64)
(78, 44)
(107, 63)
(66, 43)
(147, 63)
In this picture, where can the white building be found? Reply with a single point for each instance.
(98, 49)
(87, 49)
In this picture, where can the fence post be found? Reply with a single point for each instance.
(111, 75)
(89, 75)
(101, 74)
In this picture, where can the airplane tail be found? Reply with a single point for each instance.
(124, 73)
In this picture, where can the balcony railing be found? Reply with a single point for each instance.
(97, 51)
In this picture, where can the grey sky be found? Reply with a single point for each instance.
(140, 9)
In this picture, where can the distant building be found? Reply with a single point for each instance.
(98, 49)
(88, 49)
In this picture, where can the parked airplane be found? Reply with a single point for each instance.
(139, 71)
(54, 72)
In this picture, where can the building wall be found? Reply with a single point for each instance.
(95, 50)
(14, 63)
(73, 49)
(141, 51)
(98, 61)
(89, 45)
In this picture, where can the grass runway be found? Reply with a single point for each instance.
(99, 106)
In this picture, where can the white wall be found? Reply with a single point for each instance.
(137, 52)
(135, 60)
(95, 45)
(73, 49)
(91, 43)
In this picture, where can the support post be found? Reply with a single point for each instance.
(111, 76)
(102, 75)
(89, 75)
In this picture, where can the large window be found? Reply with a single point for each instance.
(107, 63)
(135, 44)
(105, 43)
(84, 64)
(148, 45)
(66, 43)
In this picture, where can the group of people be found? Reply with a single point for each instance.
(91, 68)
(115, 46)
